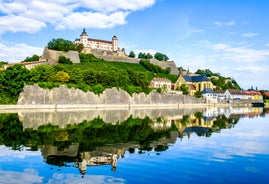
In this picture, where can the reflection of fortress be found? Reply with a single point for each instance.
(105, 155)
(186, 124)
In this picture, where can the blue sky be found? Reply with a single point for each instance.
(228, 37)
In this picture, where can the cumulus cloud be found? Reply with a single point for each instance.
(27, 176)
(247, 65)
(32, 15)
(12, 52)
(240, 54)
(88, 19)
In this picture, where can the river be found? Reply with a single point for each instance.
(203, 145)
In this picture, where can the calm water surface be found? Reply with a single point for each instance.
(218, 145)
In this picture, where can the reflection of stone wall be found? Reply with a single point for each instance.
(34, 119)
(49, 150)
(34, 95)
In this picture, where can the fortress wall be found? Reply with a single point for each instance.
(34, 95)
(53, 55)
(120, 56)
(166, 64)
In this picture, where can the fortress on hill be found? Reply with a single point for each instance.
(110, 51)
(91, 43)
(107, 50)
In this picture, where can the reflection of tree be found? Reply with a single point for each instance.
(89, 134)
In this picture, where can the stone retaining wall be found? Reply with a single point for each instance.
(34, 95)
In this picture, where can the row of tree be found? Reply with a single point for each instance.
(14, 77)
(159, 56)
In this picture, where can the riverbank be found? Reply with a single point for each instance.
(112, 106)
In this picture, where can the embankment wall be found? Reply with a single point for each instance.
(34, 95)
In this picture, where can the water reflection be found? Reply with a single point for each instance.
(93, 138)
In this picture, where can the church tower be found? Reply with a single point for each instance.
(114, 43)
(84, 38)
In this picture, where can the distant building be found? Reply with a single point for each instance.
(28, 65)
(96, 43)
(194, 82)
(232, 94)
(161, 83)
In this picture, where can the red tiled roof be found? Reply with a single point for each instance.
(266, 93)
(158, 79)
(97, 40)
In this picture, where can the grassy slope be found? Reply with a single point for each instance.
(104, 66)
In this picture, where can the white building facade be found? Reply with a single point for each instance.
(98, 44)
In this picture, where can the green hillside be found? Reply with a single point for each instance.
(95, 75)
(103, 66)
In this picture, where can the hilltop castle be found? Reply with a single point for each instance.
(98, 44)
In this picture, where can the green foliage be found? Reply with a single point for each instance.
(221, 83)
(12, 81)
(132, 54)
(61, 44)
(60, 76)
(42, 73)
(161, 57)
(198, 94)
(85, 58)
(49, 85)
(64, 60)
(159, 90)
(184, 88)
(144, 55)
(154, 68)
(33, 58)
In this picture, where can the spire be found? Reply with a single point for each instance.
(83, 32)
(188, 72)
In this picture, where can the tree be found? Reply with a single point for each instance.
(64, 45)
(184, 88)
(13, 79)
(60, 76)
(141, 55)
(33, 58)
(41, 73)
(148, 56)
(161, 57)
(132, 54)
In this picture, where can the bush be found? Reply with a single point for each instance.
(64, 60)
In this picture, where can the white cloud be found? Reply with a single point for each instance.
(115, 5)
(11, 52)
(27, 176)
(92, 20)
(249, 34)
(248, 66)
(229, 23)
(32, 15)
(12, 23)
(240, 54)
